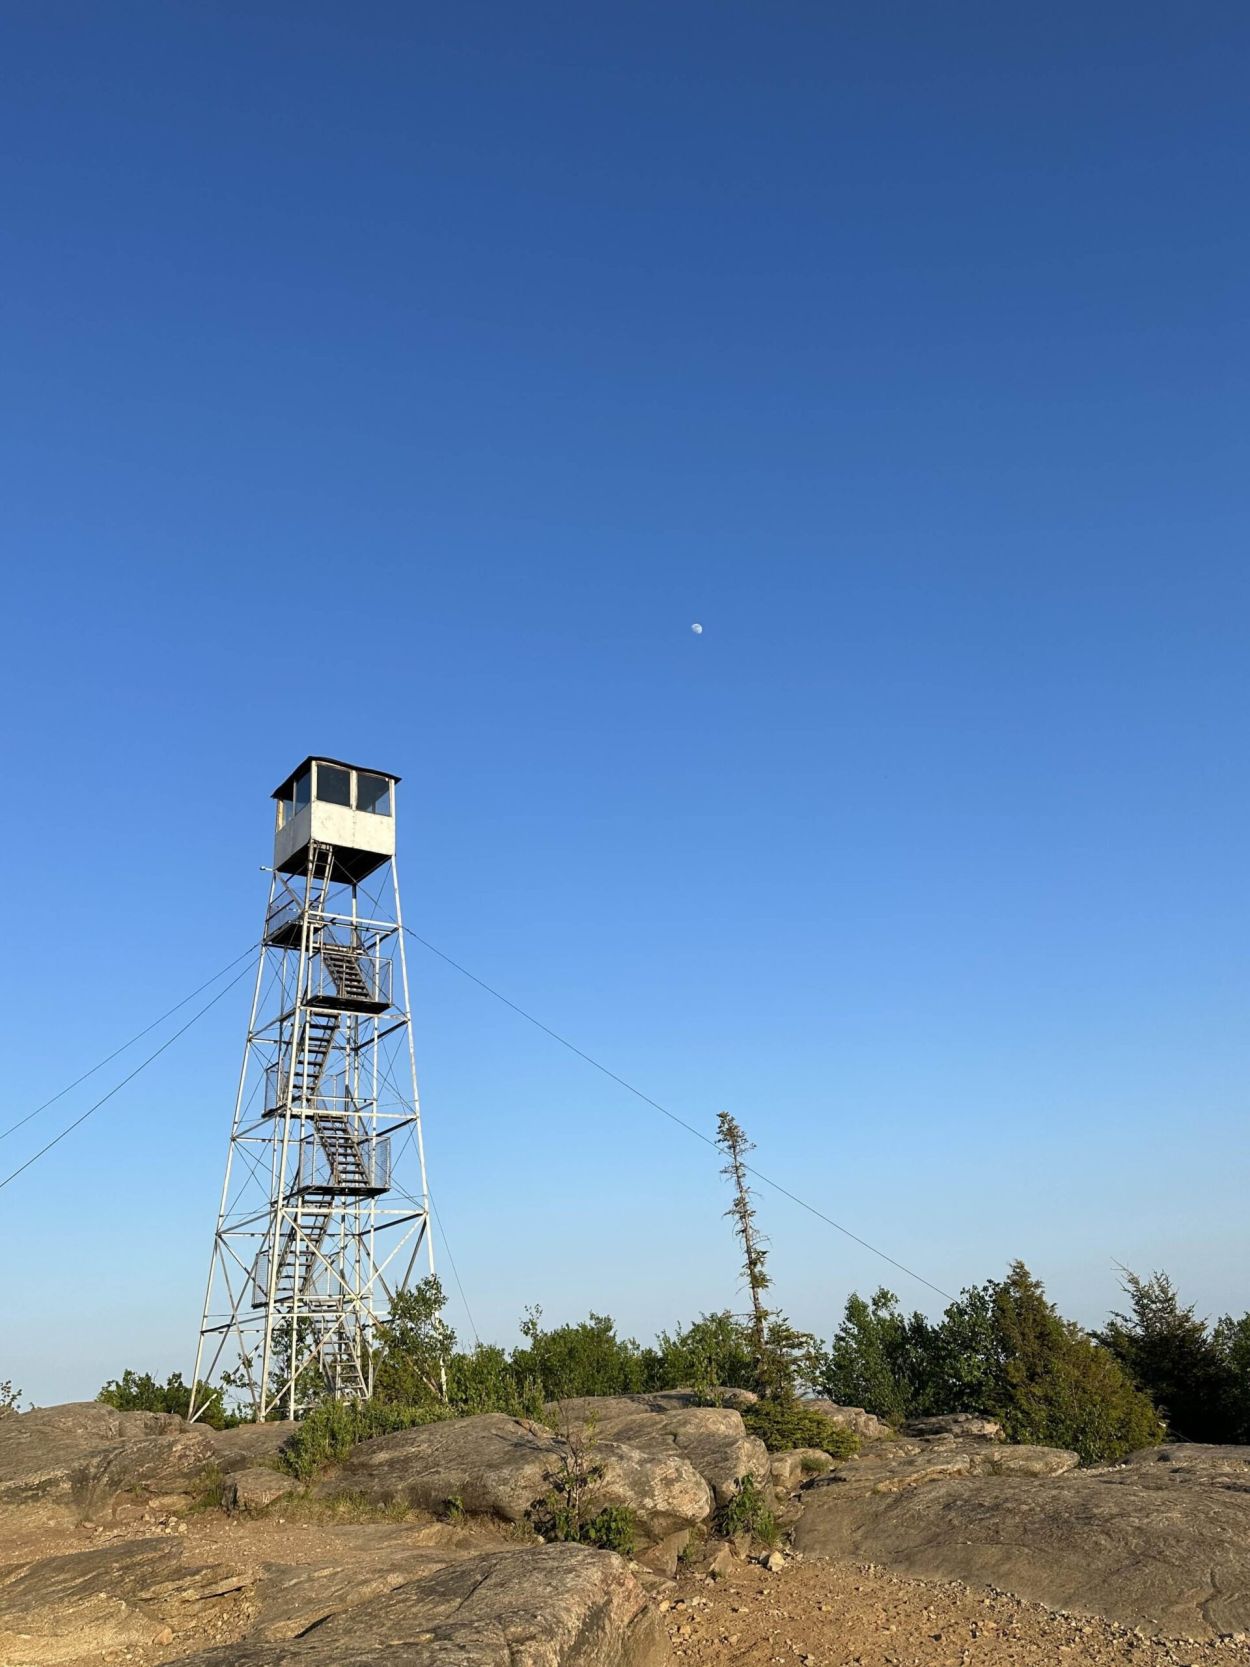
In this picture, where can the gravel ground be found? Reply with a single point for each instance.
(831, 1614)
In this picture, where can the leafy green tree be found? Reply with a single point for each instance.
(483, 1380)
(583, 1359)
(869, 1363)
(415, 1348)
(1232, 1341)
(714, 1351)
(1057, 1385)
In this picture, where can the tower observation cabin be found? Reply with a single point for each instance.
(341, 806)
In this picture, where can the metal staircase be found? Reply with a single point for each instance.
(299, 1260)
(351, 1170)
(342, 962)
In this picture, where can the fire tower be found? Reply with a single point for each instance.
(324, 1208)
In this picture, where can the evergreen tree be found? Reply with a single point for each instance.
(1168, 1351)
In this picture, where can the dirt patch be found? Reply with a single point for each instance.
(830, 1613)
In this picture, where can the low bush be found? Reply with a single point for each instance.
(782, 1425)
(748, 1512)
(568, 1510)
(611, 1529)
(141, 1392)
(331, 1430)
(209, 1491)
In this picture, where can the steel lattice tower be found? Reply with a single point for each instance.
(324, 1208)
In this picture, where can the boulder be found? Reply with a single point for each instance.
(966, 1425)
(248, 1445)
(712, 1439)
(1169, 1559)
(86, 1603)
(663, 1490)
(494, 1465)
(661, 1558)
(66, 1462)
(254, 1489)
(790, 1470)
(545, 1606)
(499, 1466)
(577, 1408)
(866, 1425)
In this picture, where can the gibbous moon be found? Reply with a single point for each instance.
(697, 629)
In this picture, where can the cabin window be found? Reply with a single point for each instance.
(334, 786)
(301, 791)
(373, 793)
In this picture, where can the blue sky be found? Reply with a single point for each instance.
(401, 385)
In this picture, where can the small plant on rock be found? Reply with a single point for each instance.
(209, 1491)
(748, 1512)
(611, 1529)
(567, 1511)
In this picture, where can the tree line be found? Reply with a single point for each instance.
(1000, 1349)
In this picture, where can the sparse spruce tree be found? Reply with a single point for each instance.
(732, 1140)
(780, 1354)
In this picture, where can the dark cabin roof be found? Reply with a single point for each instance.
(320, 758)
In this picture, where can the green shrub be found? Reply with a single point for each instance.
(568, 1510)
(784, 1424)
(1057, 1386)
(484, 1380)
(328, 1434)
(713, 1352)
(748, 1512)
(611, 1529)
(141, 1392)
(574, 1360)
(209, 1490)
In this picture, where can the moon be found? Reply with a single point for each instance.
(697, 629)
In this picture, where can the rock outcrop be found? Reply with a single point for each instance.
(499, 1466)
(712, 1439)
(548, 1606)
(866, 1425)
(86, 1603)
(63, 1463)
(967, 1425)
(1157, 1543)
(908, 1464)
(248, 1446)
(790, 1470)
